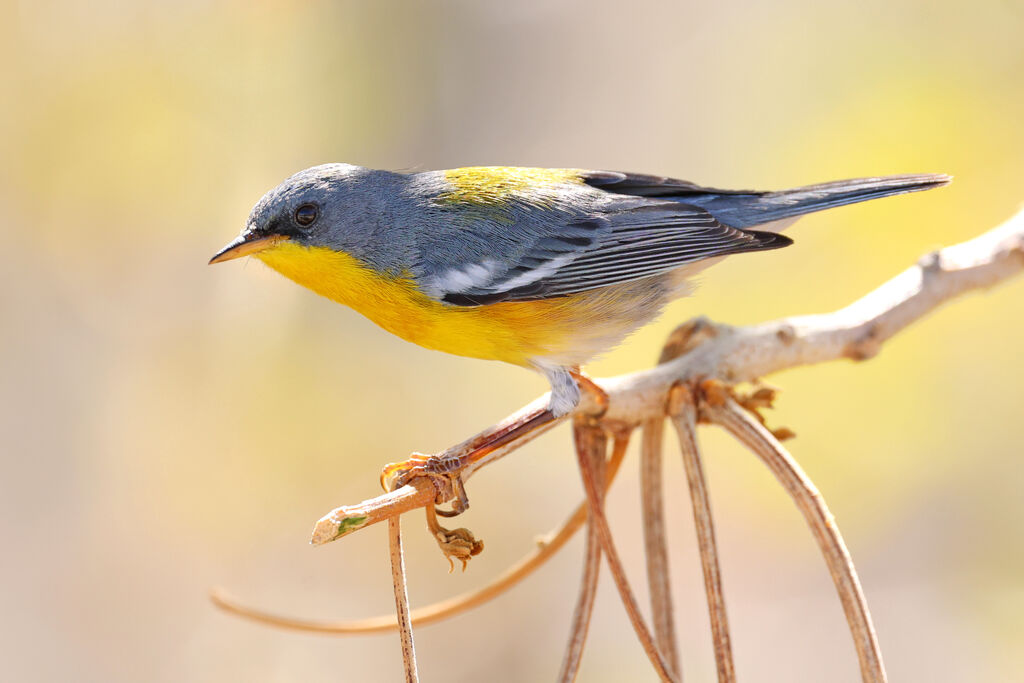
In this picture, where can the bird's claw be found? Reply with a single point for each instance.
(444, 471)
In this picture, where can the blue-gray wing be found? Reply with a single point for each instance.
(622, 241)
(618, 227)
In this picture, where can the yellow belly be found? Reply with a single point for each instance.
(513, 332)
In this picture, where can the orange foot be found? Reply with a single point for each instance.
(445, 469)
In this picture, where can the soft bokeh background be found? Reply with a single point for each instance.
(167, 427)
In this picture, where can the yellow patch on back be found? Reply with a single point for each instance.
(487, 185)
(513, 332)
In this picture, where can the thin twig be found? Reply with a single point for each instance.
(722, 410)
(548, 545)
(731, 355)
(402, 599)
(348, 518)
(591, 568)
(684, 419)
(655, 545)
(598, 519)
(584, 607)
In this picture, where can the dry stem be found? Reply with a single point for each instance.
(754, 436)
(584, 607)
(594, 450)
(592, 433)
(402, 599)
(655, 545)
(730, 355)
(684, 418)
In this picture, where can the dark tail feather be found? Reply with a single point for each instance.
(748, 210)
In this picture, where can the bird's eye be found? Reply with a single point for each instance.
(306, 214)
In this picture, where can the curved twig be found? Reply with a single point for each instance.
(655, 546)
(725, 412)
(684, 419)
(588, 583)
(590, 435)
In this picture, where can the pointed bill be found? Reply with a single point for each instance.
(245, 244)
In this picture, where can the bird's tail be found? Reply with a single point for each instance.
(745, 210)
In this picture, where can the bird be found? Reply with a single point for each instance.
(537, 267)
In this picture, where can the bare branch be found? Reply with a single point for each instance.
(737, 354)
(724, 411)
(348, 518)
(402, 599)
(655, 545)
(708, 353)
(684, 418)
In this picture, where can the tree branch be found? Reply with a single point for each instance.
(702, 360)
(737, 354)
(740, 354)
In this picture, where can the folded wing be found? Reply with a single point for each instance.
(626, 241)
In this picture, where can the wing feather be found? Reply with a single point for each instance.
(638, 241)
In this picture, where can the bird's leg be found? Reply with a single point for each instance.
(445, 468)
(565, 387)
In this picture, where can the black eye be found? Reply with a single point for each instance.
(306, 214)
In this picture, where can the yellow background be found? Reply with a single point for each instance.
(167, 426)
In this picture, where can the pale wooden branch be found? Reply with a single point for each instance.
(655, 545)
(593, 449)
(737, 354)
(709, 354)
(592, 432)
(726, 412)
(402, 599)
(348, 518)
(684, 419)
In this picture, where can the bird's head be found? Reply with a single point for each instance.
(333, 206)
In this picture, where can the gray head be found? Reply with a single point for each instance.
(332, 205)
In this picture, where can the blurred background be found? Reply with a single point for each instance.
(168, 427)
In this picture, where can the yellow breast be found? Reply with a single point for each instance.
(513, 332)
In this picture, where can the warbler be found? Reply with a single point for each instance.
(541, 268)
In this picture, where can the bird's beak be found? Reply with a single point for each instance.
(247, 243)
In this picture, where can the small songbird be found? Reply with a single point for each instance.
(542, 268)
